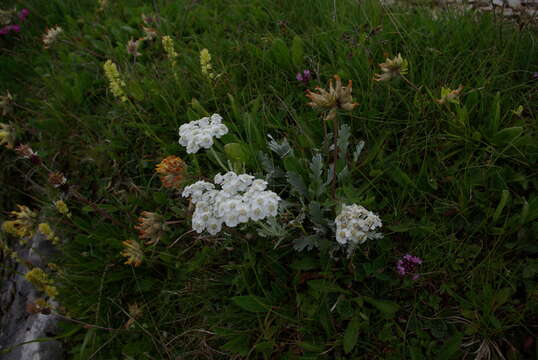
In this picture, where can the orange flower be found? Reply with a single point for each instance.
(171, 170)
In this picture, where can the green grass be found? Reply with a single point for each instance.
(454, 185)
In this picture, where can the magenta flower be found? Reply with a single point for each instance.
(407, 265)
(23, 14)
(303, 76)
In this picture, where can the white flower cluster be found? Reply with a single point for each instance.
(241, 199)
(199, 133)
(355, 225)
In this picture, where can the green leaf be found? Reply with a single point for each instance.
(502, 203)
(400, 177)
(306, 263)
(387, 307)
(312, 347)
(280, 54)
(508, 135)
(450, 348)
(250, 303)
(324, 286)
(297, 51)
(235, 152)
(351, 335)
(238, 345)
(297, 183)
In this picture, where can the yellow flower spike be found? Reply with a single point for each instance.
(205, 64)
(46, 230)
(116, 84)
(41, 281)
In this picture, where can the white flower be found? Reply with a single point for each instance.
(241, 198)
(51, 35)
(200, 133)
(355, 225)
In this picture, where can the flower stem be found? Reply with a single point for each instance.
(335, 144)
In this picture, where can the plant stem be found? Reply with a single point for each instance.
(335, 144)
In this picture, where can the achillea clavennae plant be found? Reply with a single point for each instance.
(116, 84)
(355, 225)
(51, 35)
(6, 103)
(205, 64)
(7, 136)
(23, 224)
(449, 96)
(151, 226)
(200, 133)
(392, 68)
(171, 171)
(41, 281)
(133, 252)
(241, 199)
(336, 97)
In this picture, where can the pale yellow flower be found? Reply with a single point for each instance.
(115, 82)
(41, 281)
(205, 63)
(392, 68)
(336, 97)
(62, 208)
(168, 45)
(24, 223)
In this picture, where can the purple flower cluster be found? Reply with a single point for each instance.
(407, 265)
(304, 76)
(22, 15)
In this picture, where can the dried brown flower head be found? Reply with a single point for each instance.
(57, 179)
(7, 136)
(26, 152)
(336, 97)
(392, 68)
(151, 226)
(132, 47)
(133, 252)
(171, 171)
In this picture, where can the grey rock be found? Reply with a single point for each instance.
(17, 326)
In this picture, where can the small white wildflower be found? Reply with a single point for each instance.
(51, 35)
(241, 198)
(355, 225)
(200, 133)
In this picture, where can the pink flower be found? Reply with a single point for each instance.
(303, 76)
(407, 265)
(23, 14)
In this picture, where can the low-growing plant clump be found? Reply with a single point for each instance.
(273, 180)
